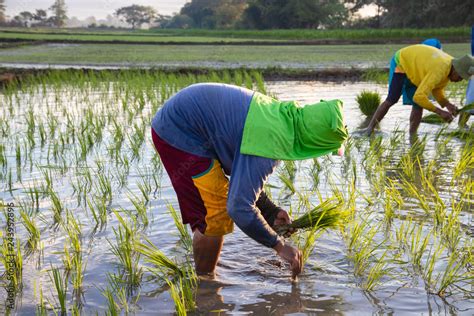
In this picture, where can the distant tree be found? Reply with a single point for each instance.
(282, 14)
(59, 16)
(2, 11)
(178, 21)
(136, 15)
(214, 13)
(40, 17)
(24, 18)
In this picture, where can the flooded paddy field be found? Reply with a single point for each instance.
(88, 192)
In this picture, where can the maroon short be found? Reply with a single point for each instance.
(201, 188)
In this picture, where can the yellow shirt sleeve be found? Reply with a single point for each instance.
(440, 96)
(433, 83)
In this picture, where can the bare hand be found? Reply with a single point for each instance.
(448, 117)
(291, 255)
(452, 109)
(283, 218)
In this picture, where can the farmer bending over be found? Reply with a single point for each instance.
(429, 69)
(208, 131)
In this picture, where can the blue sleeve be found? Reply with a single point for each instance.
(249, 173)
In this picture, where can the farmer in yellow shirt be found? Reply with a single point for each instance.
(430, 70)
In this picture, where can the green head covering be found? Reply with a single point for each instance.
(285, 131)
(464, 66)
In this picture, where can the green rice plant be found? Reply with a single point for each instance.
(182, 278)
(465, 162)
(59, 281)
(368, 102)
(162, 265)
(30, 120)
(120, 292)
(412, 190)
(288, 182)
(67, 258)
(77, 277)
(433, 119)
(11, 257)
(306, 242)
(98, 208)
(140, 207)
(184, 235)
(324, 216)
(455, 275)
(362, 245)
(34, 235)
(113, 309)
(466, 108)
(428, 269)
(376, 272)
(18, 153)
(3, 156)
(145, 187)
(41, 309)
(42, 134)
(103, 186)
(176, 288)
(126, 252)
(417, 245)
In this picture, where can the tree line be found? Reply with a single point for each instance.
(277, 14)
(39, 17)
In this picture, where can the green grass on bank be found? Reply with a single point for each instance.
(298, 57)
(458, 34)
(119, 37)
(337, 34)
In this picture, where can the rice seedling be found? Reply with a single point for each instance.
(184, 235)
(126, 252)
(433, 119)
(98, 208)
(41, 309)
(144, 186)
(362, 245)
(103, 186)
(162, 265)
(368, 102)
(454, 274)
(121, 293)
(417, 245)
(140, 207)
(176, 288)
(59, 281)
(113, 309)
(12, 260)
(375, 274)
(3, 156)
(34, 235)
(324, 216)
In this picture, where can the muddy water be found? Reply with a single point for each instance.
(251, 279)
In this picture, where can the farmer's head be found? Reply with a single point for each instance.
(462, 68)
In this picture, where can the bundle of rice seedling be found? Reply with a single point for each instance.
(326, 215)
(464, 114)
(433, 119)
(466, 108)
(368, 102)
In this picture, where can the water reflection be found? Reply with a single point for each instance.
(283, 303)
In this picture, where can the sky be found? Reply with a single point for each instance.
(85, 8)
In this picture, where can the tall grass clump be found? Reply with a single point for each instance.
(368, 102)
